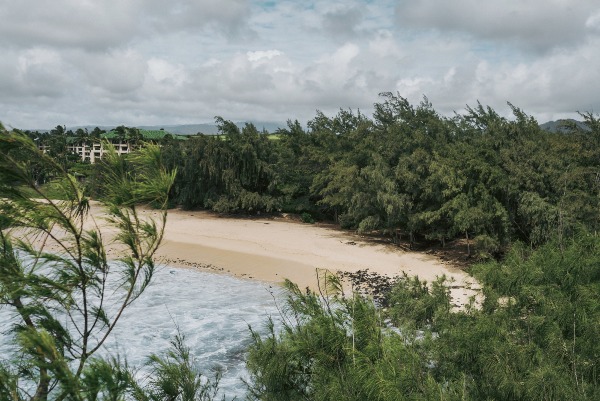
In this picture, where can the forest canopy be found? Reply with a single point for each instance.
(525, 196)
(407, 172)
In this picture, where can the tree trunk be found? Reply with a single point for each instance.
(41, 393)
(468, 244)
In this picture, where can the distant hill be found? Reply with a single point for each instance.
(269, 126)
(557, 126)
(211, 129)
(186, 129)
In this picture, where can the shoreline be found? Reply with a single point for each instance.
(276, 248)
(273, 249)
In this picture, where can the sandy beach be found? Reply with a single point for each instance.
(276, 248)
(273, 249)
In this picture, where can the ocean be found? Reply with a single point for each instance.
(213, 312)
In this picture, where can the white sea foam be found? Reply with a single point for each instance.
(213, 312)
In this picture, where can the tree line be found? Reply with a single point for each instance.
(407, 172)
(504, 184)
(515, 190)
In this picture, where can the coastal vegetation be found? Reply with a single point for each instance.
(63, 293)
(534, 338)
(407, 172)
(524, 201)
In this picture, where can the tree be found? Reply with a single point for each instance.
(67, 300)
(96, 134)
(332, 347)
(134, 136)
(83, 136)
(535, 336)
(229, 173)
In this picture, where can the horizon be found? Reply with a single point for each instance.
(257, 124)
(207, 125)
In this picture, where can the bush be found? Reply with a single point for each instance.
(307, 218)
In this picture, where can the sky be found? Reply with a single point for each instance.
(148, 62)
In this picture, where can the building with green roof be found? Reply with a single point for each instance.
(124, 141)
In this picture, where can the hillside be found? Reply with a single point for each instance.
(559, 125)
(186, 129)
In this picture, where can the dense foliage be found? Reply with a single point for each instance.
(506, 186)
(535, 338)
(406, 172)
(62, 295)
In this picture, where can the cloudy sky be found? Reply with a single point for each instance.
(140, 62)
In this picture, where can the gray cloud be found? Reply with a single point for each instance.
(117, 72)
(36, 72)
(97, 26)
(64, 23)
(536, 24)
(342, 23)
(186, 61)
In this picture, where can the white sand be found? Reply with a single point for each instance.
(273, 249)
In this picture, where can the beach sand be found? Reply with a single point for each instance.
(275, 248)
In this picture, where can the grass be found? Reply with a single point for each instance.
(52, 190)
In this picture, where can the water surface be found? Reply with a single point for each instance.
(212, 311)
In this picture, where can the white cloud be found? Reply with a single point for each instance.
(385, 45)
(593, 22)
(412, 87)
(40, 72)
(555, 85)
(339, 61)
(151, 61)
(163, 72)
(116, 73)
(263, 55)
